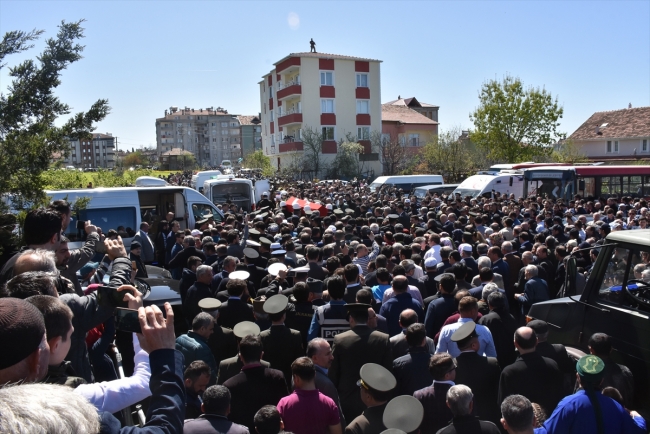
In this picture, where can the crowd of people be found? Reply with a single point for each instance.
(350, 311)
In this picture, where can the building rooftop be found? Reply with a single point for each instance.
(196, 112)
(176, 152)
(249, 120)
(401, 113)
(410, 102)
(615, 124)
(326, 56)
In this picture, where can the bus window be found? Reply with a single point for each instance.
(631, 185)
(590, 187)
(610, 185)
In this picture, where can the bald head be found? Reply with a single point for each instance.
(525, 340)
(527, 258)
(35, 260)
(407, 317)
(400, 284)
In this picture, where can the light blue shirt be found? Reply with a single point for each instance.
(446, 345)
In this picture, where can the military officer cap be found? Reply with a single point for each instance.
(202, 221)
(239, 274)
(209, 304)
(376, 377)
(349, 211)
(393, 216)
(264, 240)
(246, 328)
(252, 244)
(263, 215)
(251, 253)
(439, 277)
(464, 333)
(301, 270)
(338, 211)
(473, 214)
(276, 304)
(403, 412)
(539, 327)
(254, 232)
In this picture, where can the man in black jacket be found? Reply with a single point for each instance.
(537, 378)
(502, 325)
(460, 401)
(235, 309)
(189, 249)
(412, 370)
(436, 412)
(197, 292)
(216, 407)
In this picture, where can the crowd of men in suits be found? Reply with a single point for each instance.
(346, 311)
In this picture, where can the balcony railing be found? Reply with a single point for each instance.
(282, 85)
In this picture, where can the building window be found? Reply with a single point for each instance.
(224, 124)
(328, 133)
(362, 80)
(326, 78)
(234, 124)
(224, 132)
(363, 133)
(414, 140)
(326, 106)
(362, 106)
(271, 115)
(612, 146)
(213, 124)
(234, 132)
(644, 145)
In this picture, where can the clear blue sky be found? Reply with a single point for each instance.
(145, 56)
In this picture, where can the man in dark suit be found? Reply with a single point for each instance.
(461, 403)
(537, 378)
(222, 341)
(256, 273)
(282, 345)
(555, 352)
(499, 265)
(481, 374)
(398, 344)
(197, 292)
(395, 305)
(433, 398)
(351, 275)
(514, 264)
(353, 349)
(502, 325)
(441, 308)
(216, 406)
(142, 237)
(535, 290)
(179, 261)
(316, 271)
(255, 386)
(231, 366)
(235, 310)
(412, 370)
(320, 352)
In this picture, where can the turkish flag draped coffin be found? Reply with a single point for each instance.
(315, 207)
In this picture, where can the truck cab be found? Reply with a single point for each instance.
(614, 301)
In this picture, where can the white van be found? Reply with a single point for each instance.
(505, 182)
(406, 182)
(200, 177)
(124, 208)
(421, 192)
(239, 191)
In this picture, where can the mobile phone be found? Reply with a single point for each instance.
(127, 320)
(111, 296)
(81, 224)
(291, 273)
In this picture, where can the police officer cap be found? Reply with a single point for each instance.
(275, 268)
(539, 327)
(465, 331)
(376, 377)
(263, 215)
(202, 221)
(349, 211)
(278, 252)
(403, 412)
(209, 304)
(301, 270)
(246, 328)
(439, 277)
(251, 253)
(254, 232)
(266, 241)
(239, 274)
(276, 304)
(590, 369)
(252, 244)
(338, 211)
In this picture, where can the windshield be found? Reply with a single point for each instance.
(619, 261)
(421, 193)
(374, 186)
(464, 192)
(230, 191)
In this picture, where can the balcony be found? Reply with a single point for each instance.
(289, 90)
(290, 145)
(290, 117)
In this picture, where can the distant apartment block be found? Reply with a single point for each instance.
(251, 134)
(95, 152)
(211, 135)
(428, 110)
(332, 94)
(405, 125)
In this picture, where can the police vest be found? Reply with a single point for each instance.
(332, 321)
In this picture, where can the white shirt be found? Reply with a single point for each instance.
(433, 252)
(413, 290)
(113, 396)
(446, 345)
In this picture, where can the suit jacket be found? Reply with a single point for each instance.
(213, 424)
(371, 421)
(223, 344)
(537, 378)
(326, 387)
(481, 374)
(436, 413)
(350, 295)
(231, 366)
(558, 353)
(257, 273)
(352, 350)
(147, 246)
(469, 425)
(412, 371)
(234, 311)
(399, 347)
(282, 346)
(253, 388)
(515, 264)
(502, 325)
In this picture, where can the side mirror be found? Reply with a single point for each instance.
(570, 280)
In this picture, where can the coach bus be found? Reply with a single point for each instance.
(588, 181)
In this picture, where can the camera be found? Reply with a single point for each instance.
(81, 224)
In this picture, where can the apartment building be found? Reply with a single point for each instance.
(251, 134)
(211, 135)
(428, 110)
(331, 94)
(97, 151)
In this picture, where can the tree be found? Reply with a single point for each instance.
(514, 124)
(257, 160)
(568, 152)
(312, 142)
(28, 111)
(347, 164)
(393, 154)
(449, 155)
(136, 158)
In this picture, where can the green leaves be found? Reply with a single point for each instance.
(514, 124)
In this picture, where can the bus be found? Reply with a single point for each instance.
(564, 182)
